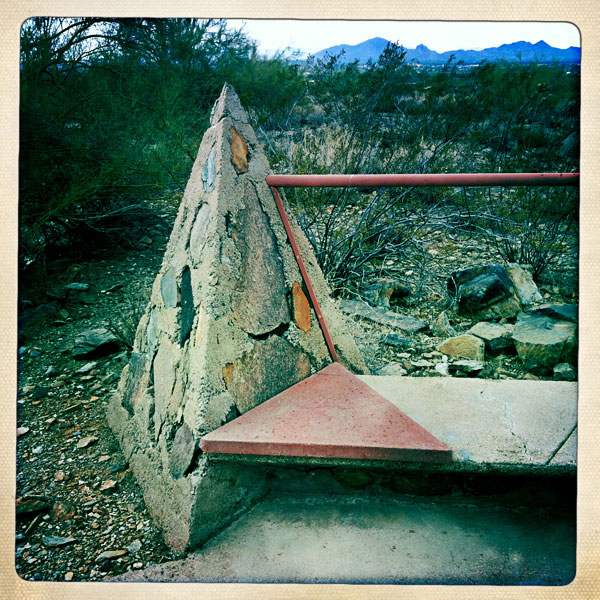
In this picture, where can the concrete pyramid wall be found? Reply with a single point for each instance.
(228, 326)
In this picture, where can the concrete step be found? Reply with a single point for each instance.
(507, 427)
(332, 414)
(363, 539)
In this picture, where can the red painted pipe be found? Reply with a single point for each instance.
(416, 180)
(303, 271)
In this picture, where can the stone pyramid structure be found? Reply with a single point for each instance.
(228, 326)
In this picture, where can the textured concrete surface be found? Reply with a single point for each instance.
(490, 422)
(370, 540)
(331, 414)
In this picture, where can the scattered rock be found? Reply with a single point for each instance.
(108, 486)
(51, 371)
(564, 372)
(137, 565)
(62, 509)
(497, 337)
(110, 555)
(104, 458)
(441, 326)
(464, 346)
(22, 431)
(395, 369)
(77, 287)
(382, 316)
(68, 575)
(53, 541)
(442, 367)
(95, 342)
(32, 504)
(466, 366)
(543, 342)
(402, 343)
(87, 367)
(421, 364)
(134, 547)
(87, 441)
(484, 292)
(525, 287)
(383, 291)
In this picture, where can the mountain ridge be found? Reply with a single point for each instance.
(540, 52)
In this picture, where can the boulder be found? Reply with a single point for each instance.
(564, 372)
(497, 337)
(484, 292)
(464, 346)
(543, 342)
(522, 280)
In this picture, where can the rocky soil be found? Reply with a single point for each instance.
(80, 512)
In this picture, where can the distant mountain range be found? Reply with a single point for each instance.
(518, 51)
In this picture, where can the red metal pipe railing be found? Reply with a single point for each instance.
(417, 180)
(309, 287)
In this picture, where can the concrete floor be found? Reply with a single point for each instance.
(359, 539)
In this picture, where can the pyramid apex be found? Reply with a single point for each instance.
(228, 105)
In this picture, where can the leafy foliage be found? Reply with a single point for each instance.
(112, 113)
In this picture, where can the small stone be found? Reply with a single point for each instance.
(59, 476)
(108, 485)
(393, 369)
(421, 364)
(110, 555)
(87, 441)
(37, 450)
(442, 368)
(87, 367)
(69, 576)
(95, 342)
(62, 510)
(53, 541)
(22, 431)
(104, 458)
(137, 565)
(63, 313)
(77, 287)
(134, 547)
(441, 326)
(466, 366)
(51, 371)
(531, 377)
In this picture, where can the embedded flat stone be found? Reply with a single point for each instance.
(239, 151)
(331, 414)
(168, 289)
(301, 308)
(265, 371)
(259, 299)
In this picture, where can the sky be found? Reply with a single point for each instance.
(312, 36)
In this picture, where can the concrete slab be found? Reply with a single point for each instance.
(487, 422)
(369, 540)
(567, 454)
(331, 414)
